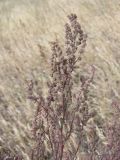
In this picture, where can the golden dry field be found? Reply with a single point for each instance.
(26, 29)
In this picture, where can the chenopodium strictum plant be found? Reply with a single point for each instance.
(58, 116)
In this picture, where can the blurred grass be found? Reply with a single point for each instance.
(26, 28)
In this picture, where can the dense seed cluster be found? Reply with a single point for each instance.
(61, 118)
(57, 117)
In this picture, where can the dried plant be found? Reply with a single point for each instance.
(61, 117)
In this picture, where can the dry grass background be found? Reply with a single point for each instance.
(26, 28)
